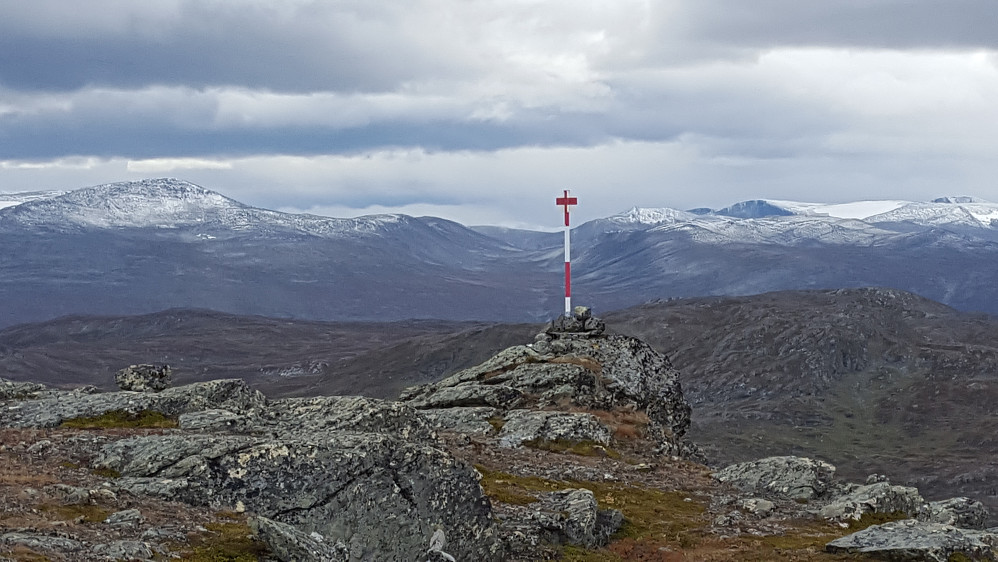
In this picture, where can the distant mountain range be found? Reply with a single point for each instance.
(140, 247)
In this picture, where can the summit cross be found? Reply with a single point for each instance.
(566, 201)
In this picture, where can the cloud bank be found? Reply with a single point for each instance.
(485, 110)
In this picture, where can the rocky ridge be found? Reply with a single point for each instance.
(572, 447)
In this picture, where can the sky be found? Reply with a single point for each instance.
(484, 111)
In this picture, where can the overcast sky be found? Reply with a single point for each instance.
(483, 111)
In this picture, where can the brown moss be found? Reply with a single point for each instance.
(84, 513)
(871, 519)
(106, 472)
(584, 448)
(231, 541)
(122, 419)
(497, 422)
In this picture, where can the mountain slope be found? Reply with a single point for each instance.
(141, 247)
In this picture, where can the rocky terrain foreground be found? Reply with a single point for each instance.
(573, 447)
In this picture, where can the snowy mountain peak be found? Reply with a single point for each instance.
(638, 215)
(163, 203)
(960, 199)
(756, 208)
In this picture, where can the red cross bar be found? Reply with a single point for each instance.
(566, 201)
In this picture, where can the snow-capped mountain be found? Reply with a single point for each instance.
(146, 246)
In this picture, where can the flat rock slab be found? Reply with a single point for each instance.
(916, 541)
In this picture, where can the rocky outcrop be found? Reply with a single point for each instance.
(376, 493)
(917, 541)
(880, 497)
(144, 378)
(574, 365)
(55, 407)
(959, 512)
(794, 478)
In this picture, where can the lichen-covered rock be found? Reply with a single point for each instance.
(573, 517)
(55, 407)
(38, 541)
(11, 390)
(495, 396)
(958, 512)
(472, 420)
(289, 544)
(144, 378)
(527, 425)
(344, 413)
(377, 494)
(795, 478)
(578, 370)
(124, 550)
(881, 497)
(917, 541)
(125, 518)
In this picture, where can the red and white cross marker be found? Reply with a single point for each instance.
(565, 202)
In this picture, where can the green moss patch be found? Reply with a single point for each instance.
(230, 541)
(122, 419)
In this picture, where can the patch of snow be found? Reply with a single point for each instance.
(854, 210)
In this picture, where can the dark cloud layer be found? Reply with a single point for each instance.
(721, 96)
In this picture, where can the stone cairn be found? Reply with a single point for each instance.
(143, 378)
(580, 323)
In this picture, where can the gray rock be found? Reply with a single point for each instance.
(495, 396)
(473, 421)
(41, 542)
(144, 378)
(291, 545)
(69, 494)
(126, 518)
(613, 373)
(11, 390)
(881, 497)
(573, 517)
(911, 540)
(527, 425)
(227, 394)
(345, 413)
(758, 507)
(377, 494)
(124, 550)
(958, 512)
(795, 478)
(215, 420)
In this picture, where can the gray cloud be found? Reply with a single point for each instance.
(458, 106)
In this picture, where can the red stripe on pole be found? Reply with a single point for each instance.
(568, 279)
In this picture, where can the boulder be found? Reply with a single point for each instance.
(918, 541)
(289, 544)
(795, 478)
(573, 517)
(527, 425)
(378, 494)
(144, 378)
(881, 497)
(958, 512)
